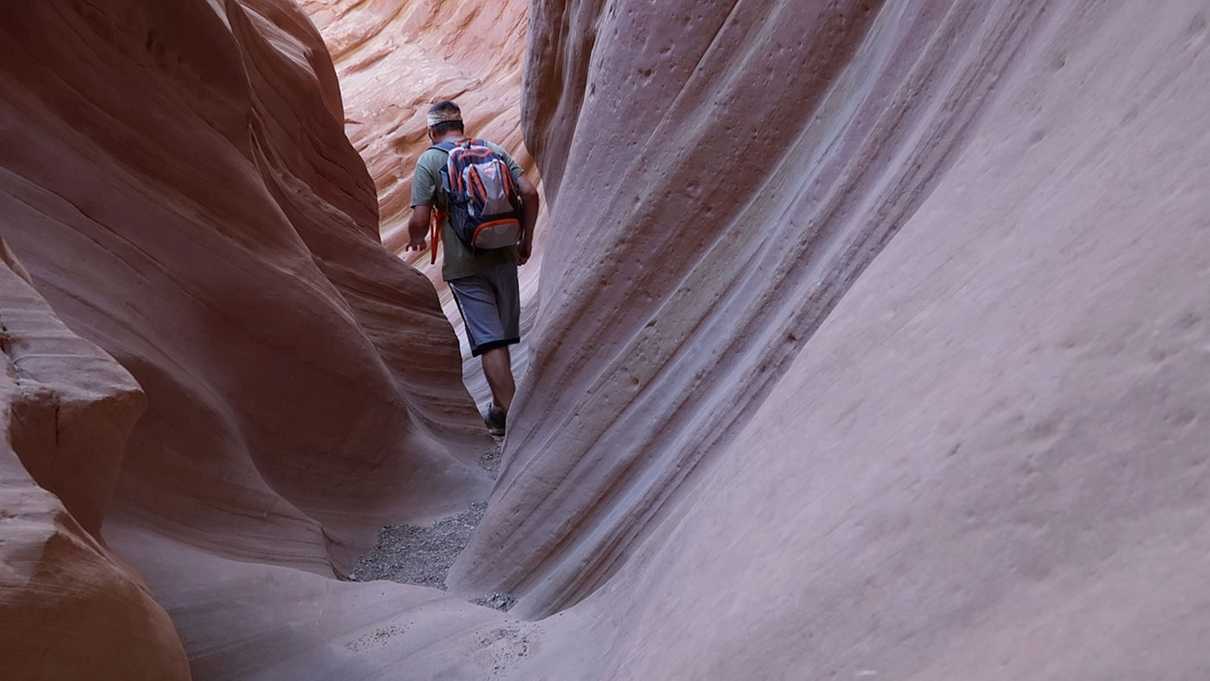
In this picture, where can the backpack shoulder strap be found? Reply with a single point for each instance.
(438, 215)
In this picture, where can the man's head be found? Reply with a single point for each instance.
(444, 118)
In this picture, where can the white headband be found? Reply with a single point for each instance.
(444, 117)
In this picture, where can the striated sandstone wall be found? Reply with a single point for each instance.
(728, 215)
(176, 179)
(66, 602)
(71, 609)
(178, 183)
(875, 347)
(879, 344)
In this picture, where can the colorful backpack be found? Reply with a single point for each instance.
(483, 205)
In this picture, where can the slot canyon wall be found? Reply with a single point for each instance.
(66, 409)
(219, 241)
(175, 180)
(873, 342)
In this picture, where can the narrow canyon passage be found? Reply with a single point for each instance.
(393, 59)
(870, 341)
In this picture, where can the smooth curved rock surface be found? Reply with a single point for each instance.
(176, 179)
(876, 347)
(66, 603)
(923, 400)
(178, 183)
(687, 279)
(254, 621)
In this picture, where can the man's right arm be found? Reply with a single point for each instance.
(424, 188)
(418, 227)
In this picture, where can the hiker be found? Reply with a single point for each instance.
(485, 215)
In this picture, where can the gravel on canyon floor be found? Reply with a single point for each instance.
(411, 554)
(419, 555)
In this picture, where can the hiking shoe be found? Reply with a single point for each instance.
(496, 419)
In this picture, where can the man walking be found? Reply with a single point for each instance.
(482, 273)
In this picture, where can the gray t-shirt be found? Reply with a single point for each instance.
(459, 260)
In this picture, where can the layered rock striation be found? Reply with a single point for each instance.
(779, 152)
(872, 348)
(178, 183)
(873, 343)
(66, 602)
(176, 179)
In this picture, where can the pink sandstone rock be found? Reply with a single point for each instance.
(177, 180)
(66, 603)
(73, 407)
(69, 609)
(178, 184)
(914, 385)
(256, 621)
(875, 347)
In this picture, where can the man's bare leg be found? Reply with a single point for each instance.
(498, 367)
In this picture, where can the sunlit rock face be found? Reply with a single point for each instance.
(874, 343)
(396, 57)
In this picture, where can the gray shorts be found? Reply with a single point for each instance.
(490, 303)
